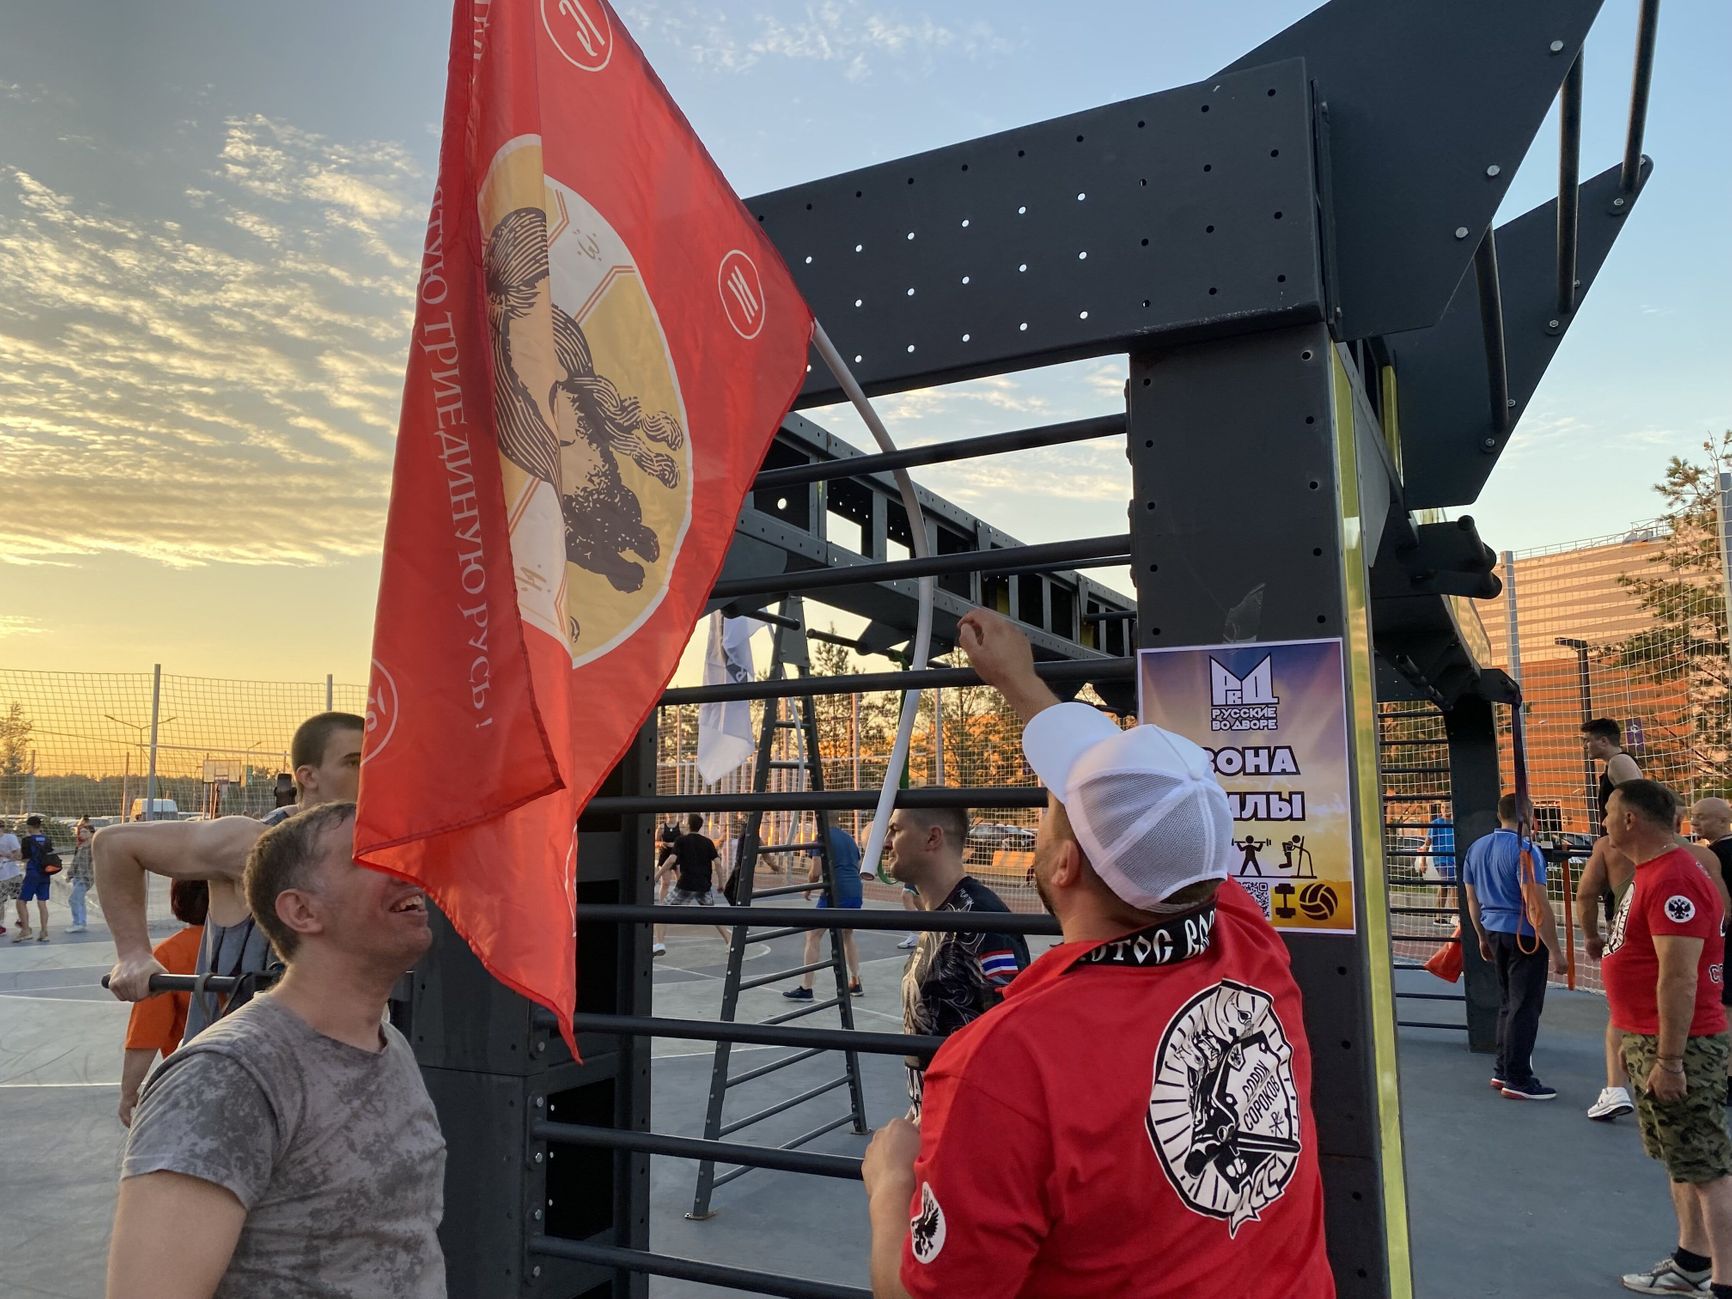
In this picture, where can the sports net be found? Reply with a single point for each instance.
(76, 744)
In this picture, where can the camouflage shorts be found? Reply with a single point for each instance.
(10, 889)
(1688, 1136)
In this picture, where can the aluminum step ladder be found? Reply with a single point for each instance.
(802, 729)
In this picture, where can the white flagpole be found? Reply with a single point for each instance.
(922, 548)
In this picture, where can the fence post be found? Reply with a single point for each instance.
(155, 713)
(330, 692)
(1723, 515)
(1512, 636)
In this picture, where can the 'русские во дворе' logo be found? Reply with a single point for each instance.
(592, 426)
(1245, 703)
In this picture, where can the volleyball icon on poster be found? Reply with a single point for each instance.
(1318, 901)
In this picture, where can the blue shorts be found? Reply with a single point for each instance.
(848, 901)
(34, 888)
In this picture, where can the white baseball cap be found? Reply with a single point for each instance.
(1144, 803)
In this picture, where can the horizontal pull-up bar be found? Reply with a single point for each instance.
(722, 1152)
(811, 800)
(1064, 671)
(1090, 552)
(1028, 439)
(690, 1269)
(937, 922)
(747, 1034)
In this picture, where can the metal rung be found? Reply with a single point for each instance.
(787, 723)
(798, 1141)
(1409, 1023)
(813, 1009)
(709, 1030)
(770, 934)
(1432, 996)
(811, 1093)
(690, 1269)
(774, 1065)
(788, 847)
(779, 975)
(790, 764)
(781, 1158)
(782, 890)
(818, 800)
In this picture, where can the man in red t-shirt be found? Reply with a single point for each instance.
(1663, 970)
(1134, 1120)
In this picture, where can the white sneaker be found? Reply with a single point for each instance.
(660, 949)
(909, 943)
(1613, 1102)
(1665, 1277)
(76, 929)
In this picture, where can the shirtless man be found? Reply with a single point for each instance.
(326, 753)
(1609, 872)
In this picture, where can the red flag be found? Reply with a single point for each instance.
(604, 345)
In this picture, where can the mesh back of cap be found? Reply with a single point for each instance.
(1158, 831)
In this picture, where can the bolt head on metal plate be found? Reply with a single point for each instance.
(1617, 202)
(1551, 324)
(1489, 443)
(1494, 170)
(1461, 232)
(1557, 47)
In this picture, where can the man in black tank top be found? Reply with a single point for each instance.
(1603, 740)
(326, 754)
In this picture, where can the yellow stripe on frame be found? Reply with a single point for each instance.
(1374, 920)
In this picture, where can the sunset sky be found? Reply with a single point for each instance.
(210, 215)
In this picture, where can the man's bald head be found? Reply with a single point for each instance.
(1711, 818)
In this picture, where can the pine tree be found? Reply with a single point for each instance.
(15, 731)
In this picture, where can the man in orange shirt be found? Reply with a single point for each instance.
(158, 1022)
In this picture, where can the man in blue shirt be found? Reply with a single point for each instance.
(850, 894)
(1492, 876)
(1440, 849)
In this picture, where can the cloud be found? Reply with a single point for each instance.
(13, 624)
(218, 382)
(855, 37)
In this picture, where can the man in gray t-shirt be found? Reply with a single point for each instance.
(291, 1151)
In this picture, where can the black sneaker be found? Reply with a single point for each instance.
(1532, 1090)
(798, 994)
(855, 990)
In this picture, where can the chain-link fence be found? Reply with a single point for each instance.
(115, 746)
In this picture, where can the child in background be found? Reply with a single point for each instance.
(158, 1022)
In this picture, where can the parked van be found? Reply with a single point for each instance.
(161, 809)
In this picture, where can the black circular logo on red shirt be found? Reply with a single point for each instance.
(1223, 1109)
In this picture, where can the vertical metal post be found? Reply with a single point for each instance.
(1585, 692)
(1569, 184)
(1723, 516)
(937, 736)
(155, 714)
(1473, 793)
(854, 746)
(1512, 633)
(330, 691)
(1296, 534)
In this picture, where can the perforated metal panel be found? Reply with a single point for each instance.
(1188, 213)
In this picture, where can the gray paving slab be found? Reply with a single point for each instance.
(1506, 1198)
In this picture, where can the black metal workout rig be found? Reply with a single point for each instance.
(1327, 338)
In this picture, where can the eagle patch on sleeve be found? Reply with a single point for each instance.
(926, 1231)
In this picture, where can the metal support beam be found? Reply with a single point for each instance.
(1491, 326)
(1641, 83)
(992, 444)
(1277, 566)
(1474, 792)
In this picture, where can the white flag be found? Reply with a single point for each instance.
(725, 730)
